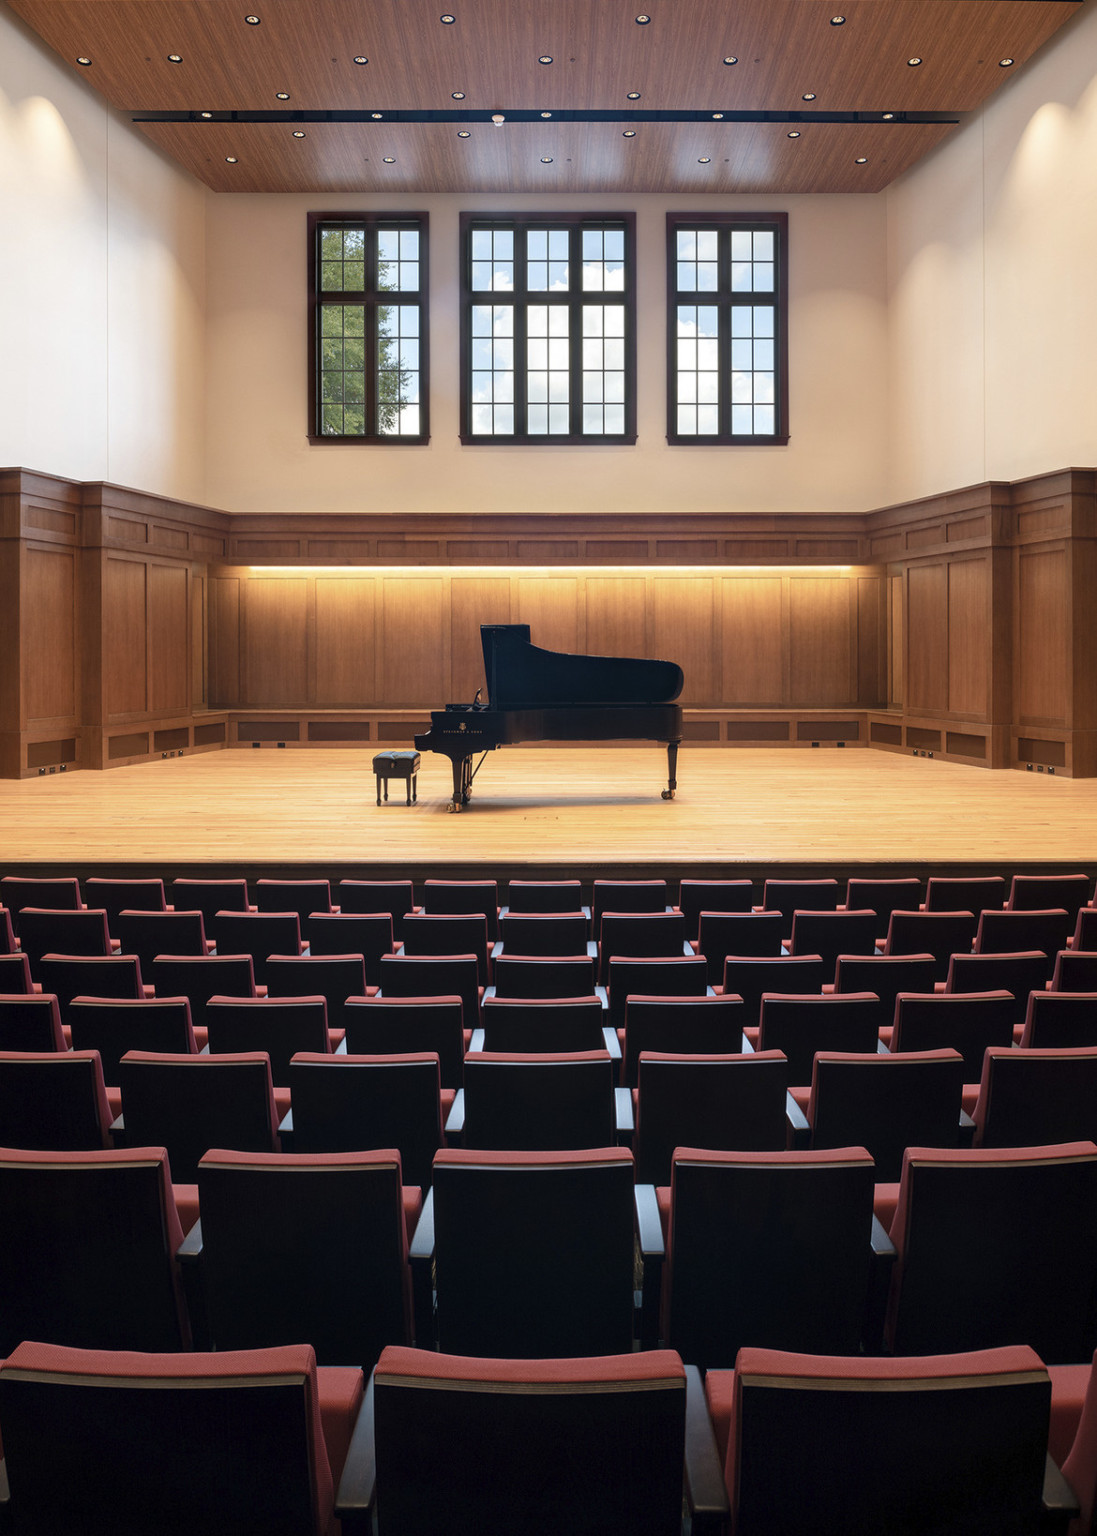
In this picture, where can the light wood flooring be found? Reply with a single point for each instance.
(557, 809)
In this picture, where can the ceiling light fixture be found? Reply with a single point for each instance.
(546, 159)
(861, 160)
(889, 117)
(629, 133)
(794, 133)
(498, 119)
(298, 133)
(360, 58)
(282, 95)
(376, 116)
(912, 62)
(458, 95)
(175, 58)
(643, 19)
(84, 60)
(837, 21)
(230, 159)
(1004, 63)
(546, 58)
(633, 96)
(252, 21)
(546, 114)
(731, 59)
(389, 159)
(808, 96)
(447, 19)
(717, 117)
(463, 133)
(703, 159)
(206, 115)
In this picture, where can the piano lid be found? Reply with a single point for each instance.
(522, 676)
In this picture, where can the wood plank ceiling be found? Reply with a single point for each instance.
(596, 95)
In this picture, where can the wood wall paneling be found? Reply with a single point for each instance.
(48, 638)
(754, 641)
(550, 606)
(169, 644)
(125, 637)
(199, 647)
(896, 649)
(871, 639)
(1043, 636)
(969, 636)
(346, 644)
(223, 605)
(413, 649)
(684, 631)
(616, 616)
(927, 638)
(275, 661)
(473, 600)
(821, 645)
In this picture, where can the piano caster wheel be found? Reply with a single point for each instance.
(668, 794)
(454, 805)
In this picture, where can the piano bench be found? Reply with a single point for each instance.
(397, 765)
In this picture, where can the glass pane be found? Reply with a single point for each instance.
(742, 387)
(537, 352)
(331, 320)
(687, 354)
(592, 387)
(742, 354)
(614, 418)
(763, 320)
(354, 276)
(763, 354)
(481, 418)
(765, 420)
(708, 419)
(763, 245)
(592, 419)
(706, 245)
(354, 320)
(708, 353)
(558, 352)
(354, 421)
(742, 246)
(331, 276)
(558, 244)
(707, 276)
(354, 387)
(333, 419)
(331, 354)
(537, 277)
(537, 418)
(388, 245)
(592, 353)
(558, 387)
(558, 418)
(409, 245)
(687, 276)
(481, 245)
(763, 276)
(687, 387)
(481, 274)
(763, 388)
(331, 245)
(708, 386)
(615, 245)
(537, 387)
(614, 353)
(504, 418)
(687, 420)
(741, 277)
(687, 245)
(537, 245)
(354, 354)
(742, 420)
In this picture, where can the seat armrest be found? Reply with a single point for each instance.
(602, 994)
(622, 1098)
(190, 1249)
(706, 1493)
(879, 1284)
(613, 1044)
(967, 1130)
(1059, 1502)
(421, 1260)
(285, 1125)
(592, 949)
(496, 950)
(881, 1049)
(798, 1125)
(652, 1253)
(476, 1041)
(746, 1047)
(357, 1491)
(118, 1131)
(455, 1121)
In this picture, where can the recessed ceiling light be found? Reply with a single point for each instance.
(703, 159)
(808, 96)
(888, 117)
(731, 59)
(458, 95)
(794, 133)
(83, 60)
(230, 159)
(717, 117)
(546, 114)
(643, 19)
(633, 96)
(463, 133)
(1004, 63)
(298, 133)
(447, 19)
(546, 58)
(175, 58)
(497, 119)
(629, 133)
(861, 160)
(206, 115)
(360, 58)
(376, 116)
(546, 159)
(914, 61)
(389, 159)
(282, 95)
(837, 21)
(252, 21)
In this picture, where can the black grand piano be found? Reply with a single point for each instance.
(536, 695)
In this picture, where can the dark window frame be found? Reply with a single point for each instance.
(522, 297)
(372, 298)
(724, 299)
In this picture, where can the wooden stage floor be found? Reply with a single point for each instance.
(581, 810)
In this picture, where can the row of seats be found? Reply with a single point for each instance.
(266, 1441)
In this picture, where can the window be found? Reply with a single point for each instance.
(368, 328)
(548, 336)
(727, 311)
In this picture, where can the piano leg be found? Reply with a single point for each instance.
(672, 766)
(462, 782)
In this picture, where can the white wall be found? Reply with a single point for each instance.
(102, 287)
(259, 459)
(992, 299)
